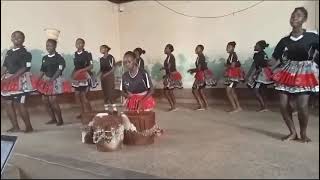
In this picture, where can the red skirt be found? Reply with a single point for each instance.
(132, 103)
(23, 84)
(81, 79)
(234, 74)
(297, 76)
(204, 78)
(58, 86)
(173, 80)
(262, 75)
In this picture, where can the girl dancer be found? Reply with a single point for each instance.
(51, 83)
(107, 64)
(16, 82)
(260, 73)
(234, 74)
(136, 85)
(173, 78)
(81, 78)
(203, 78)
(138, 51)
(298, 76)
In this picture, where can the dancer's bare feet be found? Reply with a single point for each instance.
(12, 130)
(173, 109)
(51, 122)
(60, 123)
(235, 110)
(200, 109)
(263, 110)
(305, 139)
(28, 130)
(290, 137)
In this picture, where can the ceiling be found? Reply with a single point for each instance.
(120, 1)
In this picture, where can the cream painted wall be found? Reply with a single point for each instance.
(150, 26)
(95, 21)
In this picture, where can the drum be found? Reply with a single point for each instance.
(139, 128)
(107, 132)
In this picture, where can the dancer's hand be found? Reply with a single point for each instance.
(140, 105)
(130, 94)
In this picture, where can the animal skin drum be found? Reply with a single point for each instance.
(139, 128)
(107, 132)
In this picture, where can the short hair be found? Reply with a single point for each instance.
(170, 47)
(105, 46)
(303, 10)
(232, 43)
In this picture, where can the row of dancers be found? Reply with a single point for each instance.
(296, 76)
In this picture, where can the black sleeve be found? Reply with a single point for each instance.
(147, 80)
(74, 59)
(278, 51)
(89, 59)
(27, 60)
(202, 62)
(141, 63)
(5, 63)
(172, 62)
(122, 86)
(113, 61)
(42, 69)
(234, 57)
(259, 60)
(62, 63)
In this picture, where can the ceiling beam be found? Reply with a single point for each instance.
(119, 1)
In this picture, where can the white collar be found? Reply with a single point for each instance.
(51, 55)
(79, 52)
(14, 49)
(296, 38)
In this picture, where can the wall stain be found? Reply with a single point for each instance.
(215, 64)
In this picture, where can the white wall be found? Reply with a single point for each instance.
(150, 26)
(95, 21)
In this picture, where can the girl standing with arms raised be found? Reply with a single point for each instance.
(173, 78)
(138, 51)
(298, 77)
(83, 63)
(203, 77)
(16, 82)
(51, 83)
(234, 74)
(260, 74)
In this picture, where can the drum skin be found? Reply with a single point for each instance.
(107, 123)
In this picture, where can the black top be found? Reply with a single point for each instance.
(201, 61)
(233, 58)
(260, 59)
(138, 84)
(172, 61)
(106, 64)
(51, 64)
(16, 59)
(297, 49)
(140, 63)
(82, 60)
